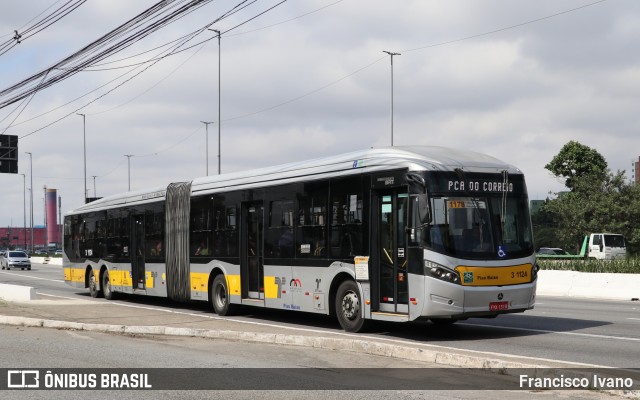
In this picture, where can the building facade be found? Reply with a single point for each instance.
(13, 237)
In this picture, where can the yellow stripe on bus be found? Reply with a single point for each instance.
(120, 278)
(200, 282)
(494, 276)
(233, 284)
(270, 287)
(74, 274)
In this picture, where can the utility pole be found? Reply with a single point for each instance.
(206, 125)
(391, 54)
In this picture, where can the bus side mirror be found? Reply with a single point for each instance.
(424, 213)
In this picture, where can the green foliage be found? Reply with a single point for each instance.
(599, 201)
(576, 161)
(630, 265)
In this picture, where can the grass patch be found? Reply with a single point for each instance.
(629, 265)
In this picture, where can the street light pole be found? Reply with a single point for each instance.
(94, 185)
(31, 194)
(206, 125)
(24, 209)
(219, 34)
(391, 54)
(129, 168)
(46, 235)
(84, 144)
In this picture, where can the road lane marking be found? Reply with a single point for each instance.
(590, 335)
(365, 337)
(33, 277)
(635, 319)
(340, 333)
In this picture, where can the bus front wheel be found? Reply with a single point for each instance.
(348, 307)
(220, 296)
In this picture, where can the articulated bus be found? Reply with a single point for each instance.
(393, 234)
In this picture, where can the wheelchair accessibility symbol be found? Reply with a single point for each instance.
(501, 252)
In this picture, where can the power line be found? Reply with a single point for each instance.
(160, 14)
(506, 28)
(21, 35)
(175, 49)
(172, 72)
(407, 51)
(287, 20)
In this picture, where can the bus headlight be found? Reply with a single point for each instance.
(534, 271)
(441, 272)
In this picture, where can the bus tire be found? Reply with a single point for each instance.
(348, 307)
(107, 290)
(220, 296)
(93, 285)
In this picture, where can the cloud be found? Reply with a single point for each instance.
(518, 94)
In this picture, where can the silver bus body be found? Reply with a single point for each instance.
(339, 235)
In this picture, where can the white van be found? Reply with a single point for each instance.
(607, 246)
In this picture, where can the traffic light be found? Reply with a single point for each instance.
(8, 154)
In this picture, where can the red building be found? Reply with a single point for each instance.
(636, 171)
(18, 237)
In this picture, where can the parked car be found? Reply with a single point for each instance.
(554, 251)
(15, 259)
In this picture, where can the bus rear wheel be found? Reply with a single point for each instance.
(93, 285)
(106, 286)
(220, 296)
(348, 307)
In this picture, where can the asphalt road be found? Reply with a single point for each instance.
(598, 332)
(60, 352)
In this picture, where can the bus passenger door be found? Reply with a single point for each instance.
(136, 252)
(252, 267)
(392, 250)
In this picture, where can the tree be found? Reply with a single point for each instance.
(575, 161)
(599, 201)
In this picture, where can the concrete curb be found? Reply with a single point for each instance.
(437, 357)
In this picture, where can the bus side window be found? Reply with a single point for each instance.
(347, 230)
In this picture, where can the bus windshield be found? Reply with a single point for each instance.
(479, 227)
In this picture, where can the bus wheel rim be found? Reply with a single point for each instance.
(350, 305)
(92, 283)
(221, 296)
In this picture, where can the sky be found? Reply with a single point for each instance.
(513, 79)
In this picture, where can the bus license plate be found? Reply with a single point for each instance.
(499, 305)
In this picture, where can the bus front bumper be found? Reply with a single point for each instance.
(448, 300)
